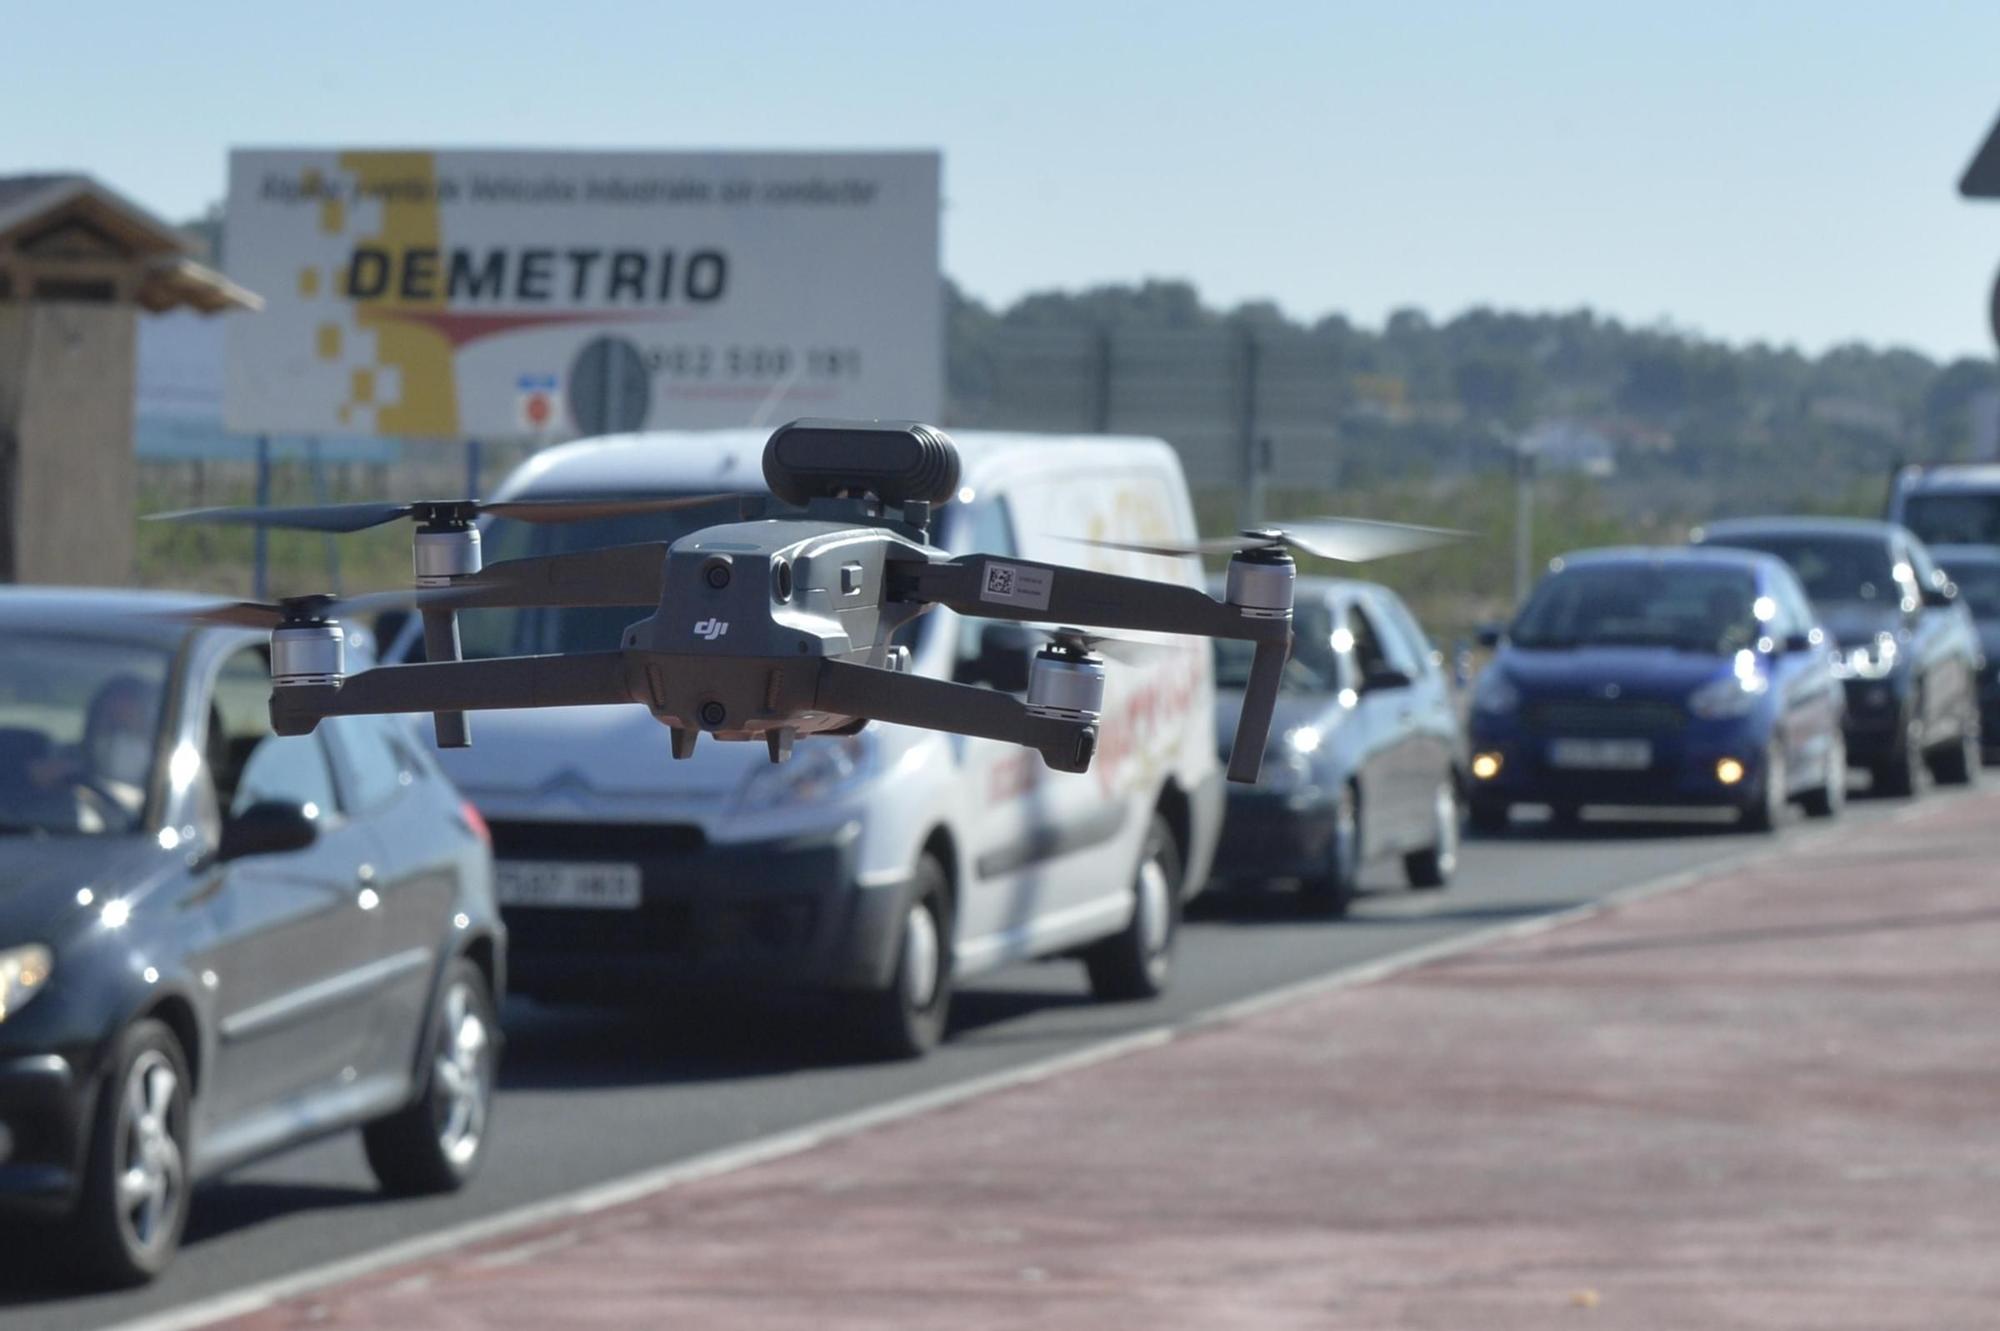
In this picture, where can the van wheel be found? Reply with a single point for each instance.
(435, 1143)
(1328, 895)
(1433, 866)
(1831, 797)
(907, 1019)
(135, 1187)
(1138, 961)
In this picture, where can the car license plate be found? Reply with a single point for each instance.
(567, 886)
(1601, 755)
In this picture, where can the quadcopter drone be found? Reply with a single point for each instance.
(778, 628)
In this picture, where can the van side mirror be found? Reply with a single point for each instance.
(270, 827)
(1489, 635)
(1006, 652)
(1384, 677)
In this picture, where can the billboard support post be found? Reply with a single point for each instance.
(260, 542)
(472, 461)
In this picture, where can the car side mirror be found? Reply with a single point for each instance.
(388, 627)
(269, 827)
(1797, 642)
(1005, 655)
(1384, 677)
(1938, 595)
(1489, 635)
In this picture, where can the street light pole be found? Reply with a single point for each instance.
(1524, 520)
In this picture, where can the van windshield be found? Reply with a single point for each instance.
(1954, 519)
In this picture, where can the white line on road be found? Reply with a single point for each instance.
(599, 1197)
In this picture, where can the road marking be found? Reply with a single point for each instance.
(744, 1155)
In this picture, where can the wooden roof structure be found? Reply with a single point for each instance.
(62, 232)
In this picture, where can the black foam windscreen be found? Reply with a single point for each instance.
(896, 461)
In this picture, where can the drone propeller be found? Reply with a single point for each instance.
(1348, 540)
(360, 517)
(315, 608)
(1127, 651)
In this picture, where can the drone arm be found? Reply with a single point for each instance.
(507, 681)
(612, 576)
(934, 704)
(1023, 589)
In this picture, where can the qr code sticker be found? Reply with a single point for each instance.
(1017, 584)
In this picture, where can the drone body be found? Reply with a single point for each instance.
(778, 628)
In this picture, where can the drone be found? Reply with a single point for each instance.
(780, 628)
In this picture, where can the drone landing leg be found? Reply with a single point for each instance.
(912, 700)
(441, 644)
(1260, 699)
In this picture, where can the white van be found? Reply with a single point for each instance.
(881, 866)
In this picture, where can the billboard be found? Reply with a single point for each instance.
(523, 294)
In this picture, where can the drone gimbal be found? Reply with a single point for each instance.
(777, 628)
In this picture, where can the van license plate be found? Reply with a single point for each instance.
(1601, 755)
(567, 886)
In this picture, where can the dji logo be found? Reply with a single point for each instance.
(711, 629)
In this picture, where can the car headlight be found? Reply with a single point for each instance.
(1873, 660)
(23, 972)
(1495, 693)
(1732, 695)
(819, 766)
(1303, 739)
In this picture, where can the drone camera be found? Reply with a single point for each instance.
(308, 654)
(1065, 685)
(898, 462)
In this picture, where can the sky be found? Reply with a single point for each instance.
(1783, 172)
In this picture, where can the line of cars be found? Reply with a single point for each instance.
(216, 942)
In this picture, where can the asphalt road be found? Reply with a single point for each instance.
(591, 1096)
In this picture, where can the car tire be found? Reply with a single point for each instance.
(1137, 961)
(907, 1019)
(1488, 816)
(1767, 810)
(136, 1183)
(1432, 867)
(1830, 797)
(1903, 776)
(436, 1143)
(1328, 895)
(1959, 764)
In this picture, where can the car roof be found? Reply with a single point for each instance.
(1966, 554)
(676, 461)
(1974, 476)
(1723, 555)
(1862, 528)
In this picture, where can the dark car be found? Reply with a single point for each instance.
(1910, 654)
(216, 943)
(1974, 571)
(1364, 756)
(1676, 677)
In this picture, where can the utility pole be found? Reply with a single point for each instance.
(1524, 520)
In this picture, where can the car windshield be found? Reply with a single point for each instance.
(1954, 519)
(488, 633)
(1979, 586)
(1313, 667)
(1680, 605)
(1833, 568)
(79, 732)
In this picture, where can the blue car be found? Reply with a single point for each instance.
(1666, 677)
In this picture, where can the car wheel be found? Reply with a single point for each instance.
(135, 1188)
(1959, 764)
(907, 1019)
(1767, 809)
(1488, 816)
(1433, 866)
(1328, 895)
(1137, 962)
(435, 1143)
(1831, 796)
(1903, 775)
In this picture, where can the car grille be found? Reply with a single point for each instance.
(1604, 716)
(594, 841)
